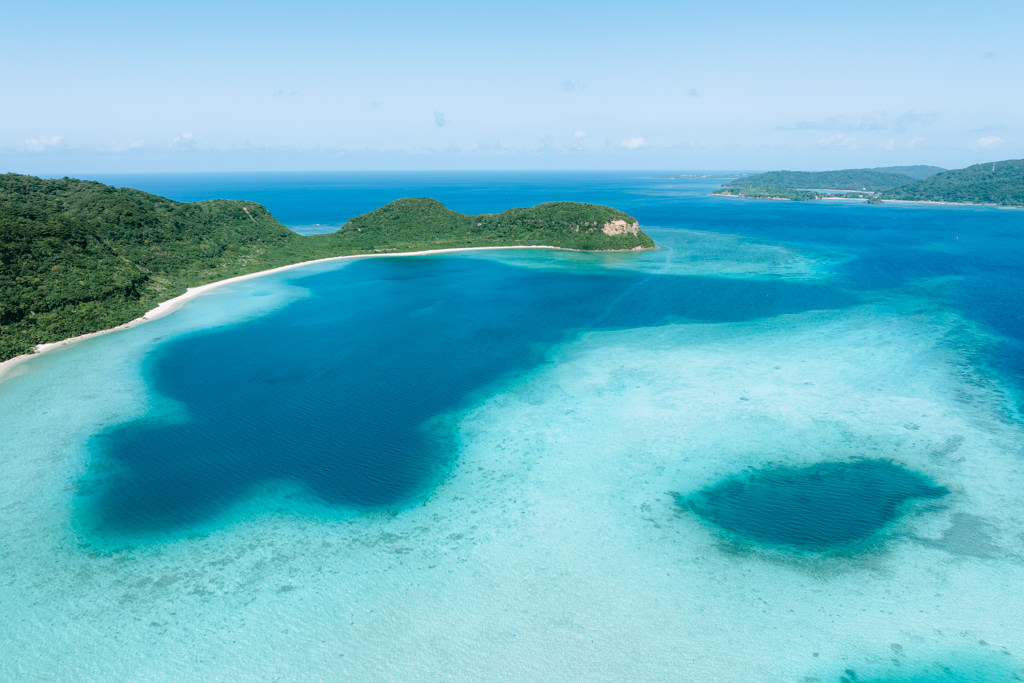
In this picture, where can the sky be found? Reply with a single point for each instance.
(107, 86)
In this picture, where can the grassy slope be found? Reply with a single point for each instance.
(79, 256)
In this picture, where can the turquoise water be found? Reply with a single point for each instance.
(336, 392)
(471, 466)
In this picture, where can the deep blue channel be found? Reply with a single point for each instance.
(977, 252)
(336, 391)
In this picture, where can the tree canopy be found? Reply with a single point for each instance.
(79, 256)
(994, 182)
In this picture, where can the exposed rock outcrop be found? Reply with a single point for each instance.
(620, 227)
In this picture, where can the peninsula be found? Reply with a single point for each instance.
(804, 185)
(995, 182)
(999, 183)
(78, 257)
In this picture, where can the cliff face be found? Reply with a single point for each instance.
(621, 227)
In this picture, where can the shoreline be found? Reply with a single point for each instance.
(167, 307)
(928, 202)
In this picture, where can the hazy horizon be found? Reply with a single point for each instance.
(116, 87)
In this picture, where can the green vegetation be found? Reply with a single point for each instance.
(858, 179)
(767, 193)
(79, 256)
(999, 182)
(422, 223)
(915, 172)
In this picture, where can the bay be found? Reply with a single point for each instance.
(468, 466)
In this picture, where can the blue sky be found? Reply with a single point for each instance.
(208, 86)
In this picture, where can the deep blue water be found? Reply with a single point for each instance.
(306, 199)
(338, 391)
(335, 391)
(891, 245)
(817, 508)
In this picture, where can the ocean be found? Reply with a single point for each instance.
(785, 445)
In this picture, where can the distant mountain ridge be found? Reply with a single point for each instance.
(919, 172)
(852, 179)
(994, 182)
(998, 182)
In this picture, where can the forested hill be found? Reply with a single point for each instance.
(998, 182)
(424, 223)
(79, 256)
(857, 179)
(916, 172)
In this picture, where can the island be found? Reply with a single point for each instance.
(859, 183)
(78, 257)
(999, 183)
(996, 182)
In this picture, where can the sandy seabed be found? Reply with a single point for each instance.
(555, 549)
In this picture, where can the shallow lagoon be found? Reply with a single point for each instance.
(336, 391)
(542, 538)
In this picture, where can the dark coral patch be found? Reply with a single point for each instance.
(816, 508)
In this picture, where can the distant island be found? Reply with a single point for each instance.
(78, 256)
(995, 182)
(1000, 183)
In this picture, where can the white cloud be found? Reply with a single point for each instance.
(439, 120)
(125, 146)
(185, 140)
(914, 119)
(491, 146)
(577, 140)
(865, 122)
(915, 143)
(988, 142)
(839, 141)
(634, 143)
(43, 143)
(873, 122)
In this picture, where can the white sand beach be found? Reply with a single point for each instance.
(8, 367)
